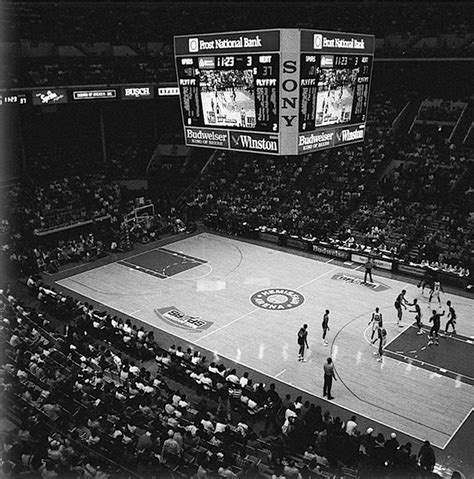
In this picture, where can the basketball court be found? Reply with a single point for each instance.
(246, 303)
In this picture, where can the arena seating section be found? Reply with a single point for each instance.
(94, 396)
(77, 44)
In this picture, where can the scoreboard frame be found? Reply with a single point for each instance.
(343, 77)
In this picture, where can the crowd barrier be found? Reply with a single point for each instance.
(392, 264)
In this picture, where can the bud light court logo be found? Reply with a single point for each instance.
(277, 299)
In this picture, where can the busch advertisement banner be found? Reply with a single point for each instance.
(137, 93)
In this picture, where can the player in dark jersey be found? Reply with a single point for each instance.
(325, 326)
(436, 320)
(376, 322)
(399, 302)
(451, 318)
(417, 312)
(427, 280)
(302, 342)
(382, 339)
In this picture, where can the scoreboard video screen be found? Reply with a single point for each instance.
(283, 92)
(232, 91)
(334, 90)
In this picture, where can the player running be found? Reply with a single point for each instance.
(451, 318)
(435, 291)
(382, 339)
(399, 302)
(417, 312)
(325, 326)
(436, 320)
(376, 322)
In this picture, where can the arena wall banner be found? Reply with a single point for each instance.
(411, 270)
(320, 249)
(379, 263)
(99, 94)
(270, 237)
(168, 91)
(137, 93)
(298, 243)
(50, 96)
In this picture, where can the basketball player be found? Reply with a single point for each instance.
(399, 302)
(417, 312)
(325, 326)
(436, 320)
(382, 339)
(451, 318)
(427, 280)
(376, 322)
(435, 291)
(302, 342)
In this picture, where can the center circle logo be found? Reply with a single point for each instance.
(277, 299)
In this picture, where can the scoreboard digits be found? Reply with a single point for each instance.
(282, 92)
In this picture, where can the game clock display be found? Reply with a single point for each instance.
(230, 91)
(334, 90)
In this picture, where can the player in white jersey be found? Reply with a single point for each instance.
(376, 322)
(435, 290)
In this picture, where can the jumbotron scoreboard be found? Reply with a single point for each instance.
(281, 92)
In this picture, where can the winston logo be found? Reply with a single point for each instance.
(254, 142)
(177, 318)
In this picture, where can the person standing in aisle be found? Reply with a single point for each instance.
(328, 377)
(325, 326)
(302, 342)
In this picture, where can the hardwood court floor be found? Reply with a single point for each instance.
(201, 294)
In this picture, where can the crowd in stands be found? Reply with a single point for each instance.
(148, 22)
(440, 113)
(61, 202)
(143, 34)
(386, 208)
(93, 395)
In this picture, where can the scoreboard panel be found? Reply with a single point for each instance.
(231, 91)
(283, 92)
(334, 90)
